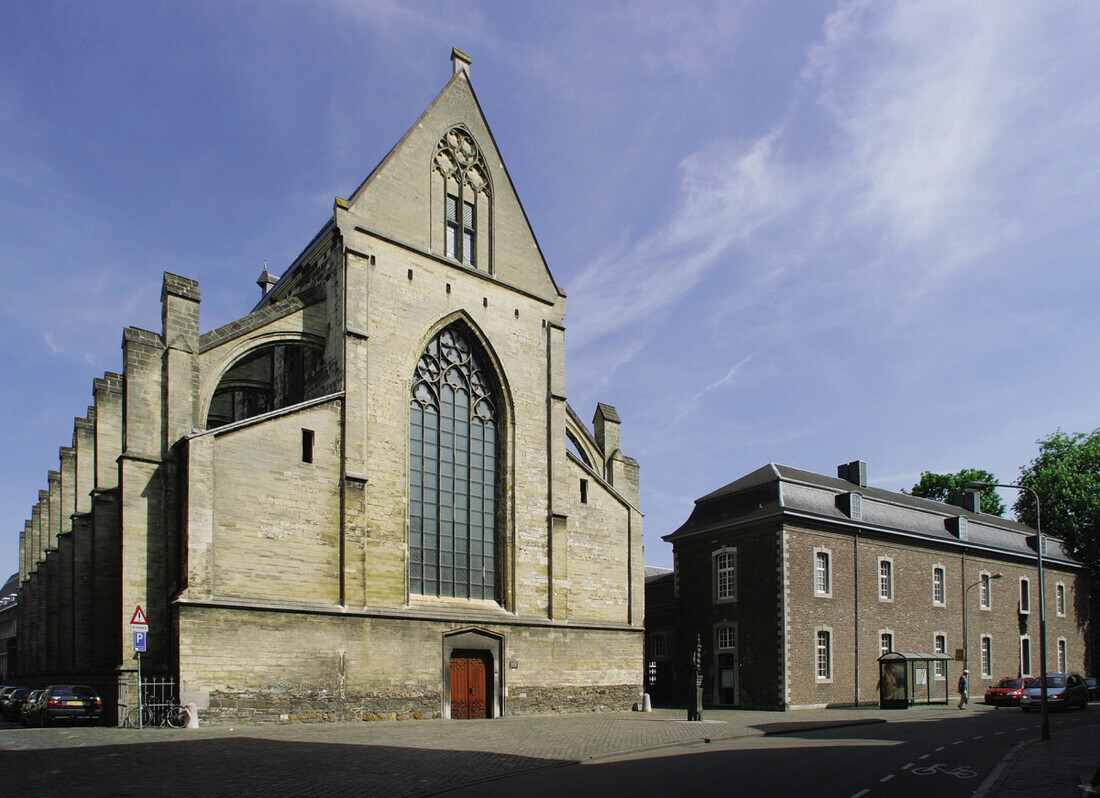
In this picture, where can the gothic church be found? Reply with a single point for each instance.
(369, 497)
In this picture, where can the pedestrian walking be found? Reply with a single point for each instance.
(964, 686)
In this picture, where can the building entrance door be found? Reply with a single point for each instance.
(471, 684)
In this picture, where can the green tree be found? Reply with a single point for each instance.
(944, 487)
(1066, 475)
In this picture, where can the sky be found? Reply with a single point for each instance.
(804, 233)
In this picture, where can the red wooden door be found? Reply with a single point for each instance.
(469, 685)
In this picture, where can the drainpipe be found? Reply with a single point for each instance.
(857, 613)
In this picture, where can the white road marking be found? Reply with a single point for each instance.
(861, 792)
(886, 778)
(907, 766)
(926, 756)
(941, 747)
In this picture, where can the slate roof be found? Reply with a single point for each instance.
(779, 491)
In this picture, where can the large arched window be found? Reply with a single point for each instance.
(453, 443)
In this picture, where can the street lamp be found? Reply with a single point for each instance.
(966, 639)
(1039, 546)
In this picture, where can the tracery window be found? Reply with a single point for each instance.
(453, 447)
(466, 188)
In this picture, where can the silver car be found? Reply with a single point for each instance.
(1064, 690)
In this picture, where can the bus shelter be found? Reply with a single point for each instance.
(905, 679)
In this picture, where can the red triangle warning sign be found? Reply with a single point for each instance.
(139, 617)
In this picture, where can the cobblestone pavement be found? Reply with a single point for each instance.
(418, 758)
(1050, 768)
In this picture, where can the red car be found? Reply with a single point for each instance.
(1006, 692)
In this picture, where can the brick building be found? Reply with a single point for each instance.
(369, 496)
(796, 584)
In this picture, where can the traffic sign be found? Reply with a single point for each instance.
(139, 618)
(139, 641)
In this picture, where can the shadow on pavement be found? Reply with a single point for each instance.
(249, 766)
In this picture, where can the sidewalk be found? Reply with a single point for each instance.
(417, 758)
(1050, 768)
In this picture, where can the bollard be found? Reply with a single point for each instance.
(194, 711)
(646, 706)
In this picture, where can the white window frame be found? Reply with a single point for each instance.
(1061, 655)
(1025, 595)
(819, 553)
(718, 634)
(727, 593)
(886, 581)
(1060, 599)
(985, 656)
(939, 669)
(885, 636)
(1025, 655)
(985, 590)
(823, 665)
(940, 586)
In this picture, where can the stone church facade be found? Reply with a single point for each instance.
(367, 498)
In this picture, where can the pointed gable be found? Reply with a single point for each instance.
(444, 190)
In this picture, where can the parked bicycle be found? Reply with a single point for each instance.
(172, 715)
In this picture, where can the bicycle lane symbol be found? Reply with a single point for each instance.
(960, 772)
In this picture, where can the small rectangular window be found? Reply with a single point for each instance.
(824, 656)
(987, 656)
(885, 580)
(985, 601)
(1061, 656)
(1060, 599)
(1025, 595)
(939, 589)
(823, 585)
(885, 643)
(584, 491)
(307, 446)
(727, 637)
(725, 575)
(1025, 656)
(939, 645)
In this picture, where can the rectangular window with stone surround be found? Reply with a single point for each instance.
(824, 655)
(725, 575)
(939, 586)
(885, 579)
(823, 576)
(939, 646)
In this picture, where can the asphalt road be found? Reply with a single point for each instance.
(943, 758)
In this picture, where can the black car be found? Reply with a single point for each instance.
(61, 702)
(12, 705)
(1094, 688)
(28, 713)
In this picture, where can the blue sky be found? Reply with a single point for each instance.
(804, 233)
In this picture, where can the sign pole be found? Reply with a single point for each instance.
(140, 713)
